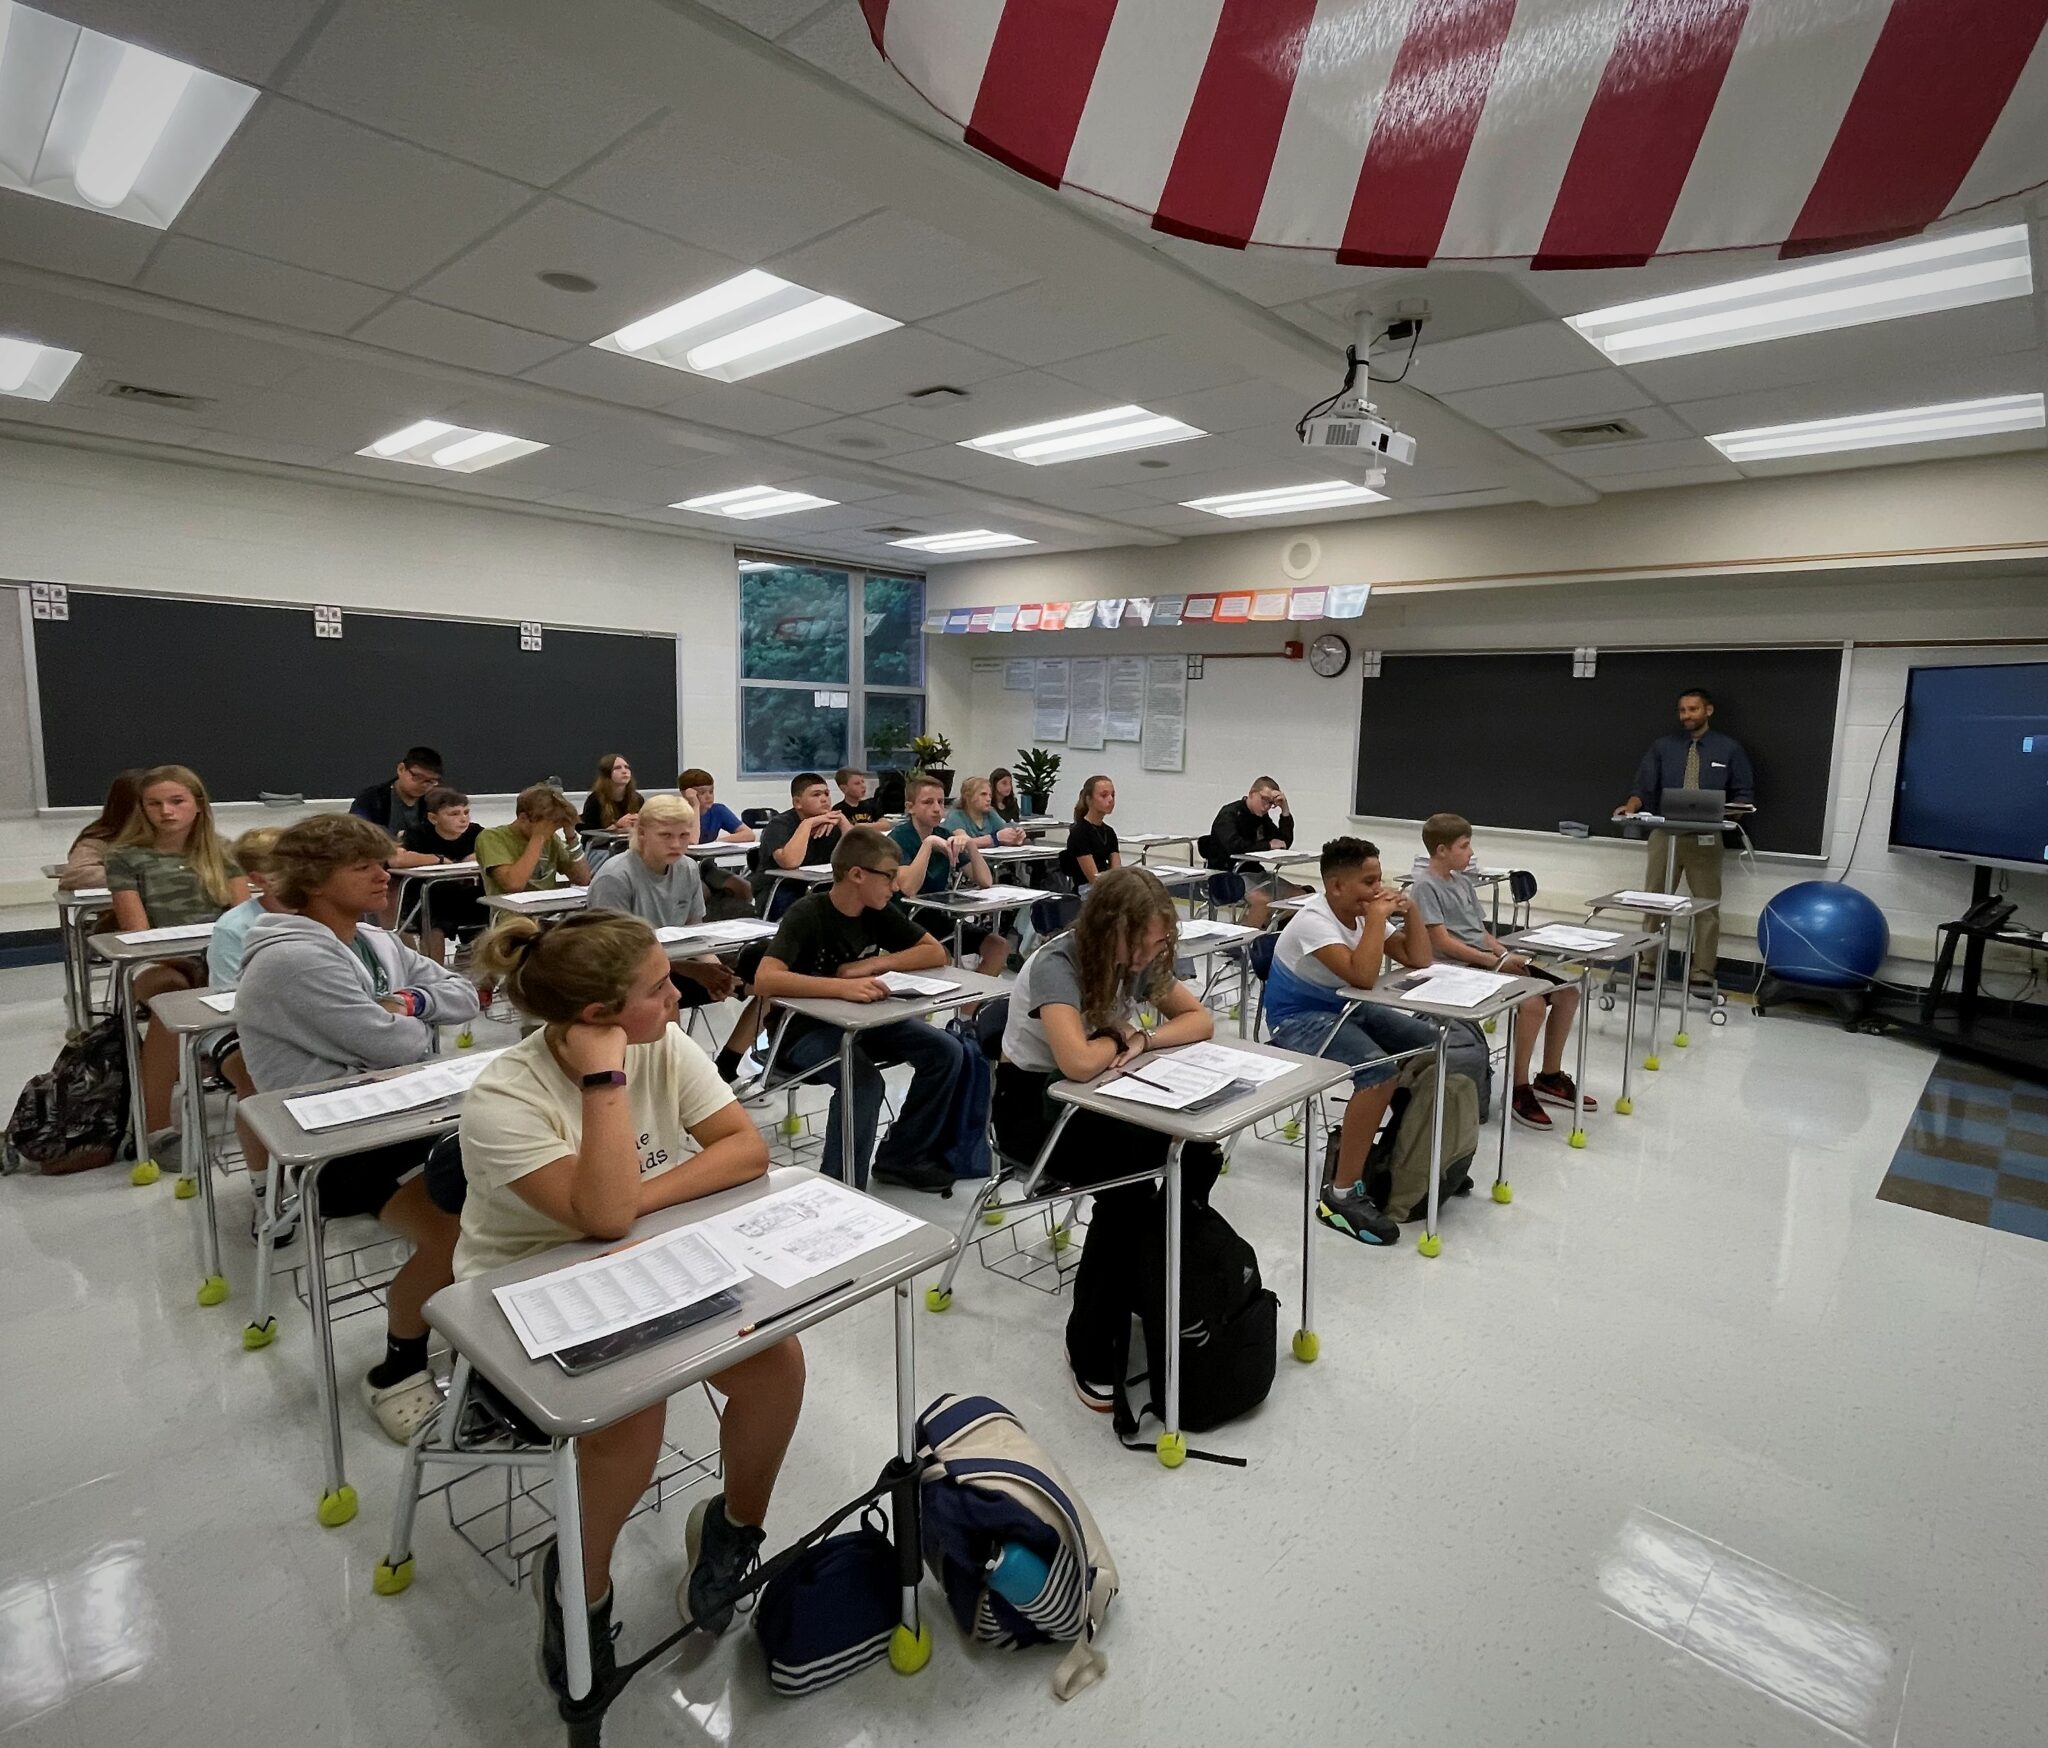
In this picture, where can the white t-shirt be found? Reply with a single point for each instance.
(524, 1113)
(1308, 931)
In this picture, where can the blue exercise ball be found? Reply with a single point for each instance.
(1823, 933)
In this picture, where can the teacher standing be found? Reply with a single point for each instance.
(1698, 756)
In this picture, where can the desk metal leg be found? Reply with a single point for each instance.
(1502, 1190)
(569, 1576)
(77, 973)
(1625, 1105)
(1172, 1448)
(1306, 1343)
(1651, 1061)
(145, 1170)
(1429, 1243)
(338, 1503)
(853, 1172)
(910, 1645)
(213, 1284)
(1692, 929)
(1577, 1138)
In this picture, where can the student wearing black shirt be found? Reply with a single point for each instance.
(1259, 822)
(803, 837)
(835, 945)
(613, 804)
(855, 805)
(446, 833)
(398, 803)
(1091, 841)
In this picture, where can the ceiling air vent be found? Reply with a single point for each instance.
(939, 395)
(136, 395)
(892, 530)
(1593, 436)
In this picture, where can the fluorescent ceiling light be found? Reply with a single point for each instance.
(743, 326)
(1912, 279)
(426, 444)
(750, 503)
(31, 371)
(971, 540)
(1948, 422)
(94, 122)
(1107, 432)
(1326, 494)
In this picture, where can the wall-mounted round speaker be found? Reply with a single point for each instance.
(1300, 556)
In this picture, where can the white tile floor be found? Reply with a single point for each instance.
(1703, 1333)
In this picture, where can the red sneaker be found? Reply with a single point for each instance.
(1528, 1109)
(1561, 1089)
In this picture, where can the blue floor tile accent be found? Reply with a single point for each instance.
(1992, 1184)
(2021, 1217)
(1976, 1180)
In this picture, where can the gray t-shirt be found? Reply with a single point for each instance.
(1452, 900)
(1050, 976)
(668, 900)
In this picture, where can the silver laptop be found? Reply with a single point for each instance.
(1694, 806)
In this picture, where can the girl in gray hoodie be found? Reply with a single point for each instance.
(322, 995)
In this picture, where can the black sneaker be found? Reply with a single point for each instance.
(1355, 1214)
(553, 1651)
(1096, 1398)
(921, 1174)
(723, 1555)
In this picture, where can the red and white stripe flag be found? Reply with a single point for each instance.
(1568, 133)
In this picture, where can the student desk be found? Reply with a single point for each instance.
(566, 1407)
(1690, 909)
(418, 883)
(719, 852)
(1225, 940)
(185, 1014)
(1626, 944)
(76, 913)
(1023, 854)
(1307, 1076)
(805, 874)
(130, 958)
(551, 901)
(1391, 992)
(310, 1152)
(1039, 825)
(1146, 842)
(855, 1017)
(961, 904)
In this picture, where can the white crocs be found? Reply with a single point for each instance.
(402, 1407)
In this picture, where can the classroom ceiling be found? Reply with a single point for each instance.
(368, 252)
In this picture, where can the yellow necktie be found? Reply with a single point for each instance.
(1692, 766)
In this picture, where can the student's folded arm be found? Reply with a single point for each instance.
(596, 1190)
(579, 869)
(1411, 947)
(1089, 872)
(404, 858)
(1345, 965)
(334, 1016)
(1079, 1056)
(927, 955)
(1184, 1019)
(1448, 946)
(775, 980)
(978, 867)
(732, 1152)
(450, 995)
(128, 911)
(910, 875)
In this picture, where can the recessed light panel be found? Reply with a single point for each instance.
(109, 126)
(1329, 494)
(747, 325)
(970, 540)
(33, 372)
(450, 448)
(1108, 432)
(1948, 422)
(1913, 279)
(751, 503)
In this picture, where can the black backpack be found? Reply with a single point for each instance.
(1229, 1326)
(75, 1117)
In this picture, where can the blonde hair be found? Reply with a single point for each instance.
(546, 803)
(202, 844)
(970, 787)
(253, 848)
(664, 810)
(554, 968)
(307, 855)
(1116, 912)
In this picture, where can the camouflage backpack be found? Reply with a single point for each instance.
(75, 1117)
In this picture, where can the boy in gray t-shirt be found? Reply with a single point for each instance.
(654, 879)
(1449, 903)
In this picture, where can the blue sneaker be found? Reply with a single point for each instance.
(1356, 1215)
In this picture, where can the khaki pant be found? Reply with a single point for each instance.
(1697, 866)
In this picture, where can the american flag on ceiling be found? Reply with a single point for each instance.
(1568, 133)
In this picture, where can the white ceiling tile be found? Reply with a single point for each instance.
(1589, 394)
(1044, 324)
(730, 407)
(1266, 276)
(452, 337)
(439, 76)
(1623, 458)
(1173, 519)
(882, 372)
(827, 485)
(1482, 361)
(957, 466)
(246, 39)
(769, 18)
(837, 42)
(832, 439)
(1236, 407)
(67, 239)
(609, 376)
(900, 266)
(736, 197)
(636, 271)
(2004, 443)
(1149, 369)
(323, 193)
(250, 285)
(1653, 425)
(1707, 474)
(1788, 403)
(278, 415)
(185, 358)
(386, 390)
(1002, 403)
(251, 448)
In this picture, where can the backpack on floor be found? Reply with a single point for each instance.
(833, 1609)
(1229, 1325)
(1397, 1168)
(990, 1496)
(966, 1147)
(75, 1117)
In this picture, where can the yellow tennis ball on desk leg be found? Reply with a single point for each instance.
(145, 1172)
(909, 1652)
(1503, 1192)
(1577, 1138)
(937, 1298)
(1430, 1244)
(1683, 1040)
(1652, 1064)
(1307, 1346)
(185, 1188)
(338, 1507)
(389, 1580)
(1624, 1107)
(1172, 1450)
(213, 1289)
(262, 1334)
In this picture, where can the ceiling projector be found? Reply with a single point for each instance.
(1348, 423)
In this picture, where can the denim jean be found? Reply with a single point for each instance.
(1372, 1034)
(935, 1058)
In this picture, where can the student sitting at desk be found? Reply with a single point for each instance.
(613, 802)
(323, 995)
(224, 950)
(1449, 904)
(802, 836)
(538, 851)
(167, 868)
(1074, 1016)
(447, 834)
(606, 1113)
(1091, 840)
(85, 863)
(1340, 939)
(1241, 828)
(1004, 798)
(978, 819)
(936, 858)
(854, 804)
(834, 946)
(398, 802)
(727, 891)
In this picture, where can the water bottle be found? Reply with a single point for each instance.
(1018, 1575)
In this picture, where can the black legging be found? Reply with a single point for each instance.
(1094, 1147)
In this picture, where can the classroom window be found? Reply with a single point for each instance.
(831, 660)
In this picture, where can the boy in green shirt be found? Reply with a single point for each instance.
(539, 850)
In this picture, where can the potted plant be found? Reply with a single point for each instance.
(931, 751)
(1036, 773)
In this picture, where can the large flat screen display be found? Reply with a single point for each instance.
(1973, 765)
